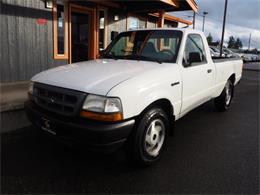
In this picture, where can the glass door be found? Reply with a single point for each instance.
(83, 35)
(80, 31)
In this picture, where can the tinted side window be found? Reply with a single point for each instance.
(194, 43)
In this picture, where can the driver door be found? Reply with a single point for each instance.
(197, 77)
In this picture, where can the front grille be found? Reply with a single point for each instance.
(59, 100)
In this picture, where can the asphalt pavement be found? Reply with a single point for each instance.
(211, 152)
(252, 66)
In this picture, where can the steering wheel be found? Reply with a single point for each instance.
(169, 52)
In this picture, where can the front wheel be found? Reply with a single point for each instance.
(223, 102)
(148, 140)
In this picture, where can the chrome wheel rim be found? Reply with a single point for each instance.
(228, 93)
(154, 137)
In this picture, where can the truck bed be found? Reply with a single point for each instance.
(224, 59)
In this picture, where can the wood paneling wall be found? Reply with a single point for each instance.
(26, 46)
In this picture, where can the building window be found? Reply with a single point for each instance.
(60, 29)
(102, 29)
(170, 24)
(134, 23)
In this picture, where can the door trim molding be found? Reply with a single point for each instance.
(56, 55)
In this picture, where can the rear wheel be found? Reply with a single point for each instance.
(148, 140)
(223, 102)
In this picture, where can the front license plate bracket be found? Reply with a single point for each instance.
(47, 126)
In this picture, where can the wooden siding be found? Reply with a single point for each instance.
(26, 47)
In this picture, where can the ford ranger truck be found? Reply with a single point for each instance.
(144, 82)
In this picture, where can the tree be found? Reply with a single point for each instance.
(231, 42)
(209, 39)
(238, 44)
(255, 51)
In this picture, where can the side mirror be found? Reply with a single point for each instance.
(194, 57)
(114, 35)
(101, 52)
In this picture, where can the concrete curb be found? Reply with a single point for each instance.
(11, 107)
(13, 95)
(12, 120)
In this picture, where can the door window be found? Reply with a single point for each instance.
(194, 44)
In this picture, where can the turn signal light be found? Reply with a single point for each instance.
(110, 117)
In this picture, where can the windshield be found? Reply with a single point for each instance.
(150, 45)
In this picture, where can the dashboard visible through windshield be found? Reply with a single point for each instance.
(150, 45)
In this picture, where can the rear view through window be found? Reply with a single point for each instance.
(194, 43)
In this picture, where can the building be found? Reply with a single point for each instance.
(41, 34)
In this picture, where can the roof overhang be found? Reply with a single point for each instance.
(193, 5)
(172, 18)
(151, 6)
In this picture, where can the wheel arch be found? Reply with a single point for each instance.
(166, 105)
(232, 78)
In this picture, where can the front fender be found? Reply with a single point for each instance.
(138, 93)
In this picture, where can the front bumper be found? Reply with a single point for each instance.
(96, 136)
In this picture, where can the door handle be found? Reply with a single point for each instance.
(209, 70)
(176, 83)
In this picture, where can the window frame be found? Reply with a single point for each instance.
(197, 63)
(104, 9)
(93, 41)
(56, 55)
(129, 15)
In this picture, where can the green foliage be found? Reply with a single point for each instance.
(234, 43)
(238, 44)
(231, 42)
(209, 38)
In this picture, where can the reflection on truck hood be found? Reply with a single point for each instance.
(96, 77)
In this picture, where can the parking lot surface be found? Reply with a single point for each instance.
(211, 152)
(252, 66)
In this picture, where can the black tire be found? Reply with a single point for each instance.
(138, 146)
(223, 102)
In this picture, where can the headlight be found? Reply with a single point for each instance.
(102, 108)
(94, 103)
(30, 89)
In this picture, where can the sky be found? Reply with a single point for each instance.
(243, 18)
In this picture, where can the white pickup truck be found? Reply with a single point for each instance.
(145, 80)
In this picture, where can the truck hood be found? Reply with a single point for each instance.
(97, 76)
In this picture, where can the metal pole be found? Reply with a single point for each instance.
(194, 18)
(249, 42)
(203, 23)
(223, 28)
(204, 15)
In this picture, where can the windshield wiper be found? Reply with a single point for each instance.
(150, 59)
(111, 55)
(114, 56)
(140, 57)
